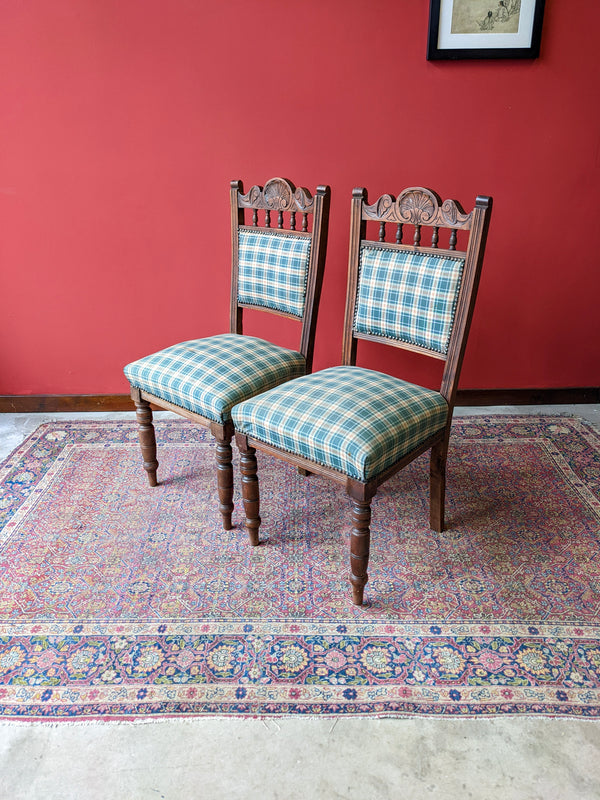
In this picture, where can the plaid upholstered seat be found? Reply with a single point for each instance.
(209, 376)
(352, 419)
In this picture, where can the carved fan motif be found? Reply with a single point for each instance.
(417, 206)
(278, 194)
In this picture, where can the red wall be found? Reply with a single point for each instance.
(123, 121)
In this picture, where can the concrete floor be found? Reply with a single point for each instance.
(289, 758)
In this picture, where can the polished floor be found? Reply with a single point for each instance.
(289, 758)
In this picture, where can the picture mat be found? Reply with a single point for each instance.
(460, 41)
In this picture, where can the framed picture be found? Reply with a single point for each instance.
(484, 29)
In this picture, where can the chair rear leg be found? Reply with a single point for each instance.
(225, 479)
(359, 548)
(250, 488)
(146, 435)
(437, 489)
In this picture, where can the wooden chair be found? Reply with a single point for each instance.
(274, 269)
(358, 426)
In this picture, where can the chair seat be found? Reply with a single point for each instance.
(352, 419)
(209, 376)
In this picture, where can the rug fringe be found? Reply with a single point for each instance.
(270, 721)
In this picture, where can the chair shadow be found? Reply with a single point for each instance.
(184, 477)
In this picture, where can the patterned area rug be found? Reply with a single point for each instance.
(118, 600)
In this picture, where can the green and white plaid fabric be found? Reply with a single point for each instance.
(409, 296)
(273, 270)
(352, 419)
(209, 376)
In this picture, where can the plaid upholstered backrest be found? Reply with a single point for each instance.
(414, 267)
(408, 295)
(273, 270)
(279, 240)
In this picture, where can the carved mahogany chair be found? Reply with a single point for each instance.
(274, 269)
(358, 426)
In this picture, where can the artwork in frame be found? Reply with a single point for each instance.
(484, 29)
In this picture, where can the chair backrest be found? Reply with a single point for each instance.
(416, 296)
(279, 269)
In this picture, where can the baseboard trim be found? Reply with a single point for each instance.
(528, 397)
(51, 403)
(56, 403)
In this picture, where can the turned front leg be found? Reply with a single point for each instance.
(225, 480)
(146, 435)
(250, 488)
(359, 548)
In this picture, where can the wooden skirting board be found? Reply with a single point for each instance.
(52, 403)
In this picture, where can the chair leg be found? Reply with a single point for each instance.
(225, 479)
(359, 548)
(250, 490)
(146, 435)
(437, 485)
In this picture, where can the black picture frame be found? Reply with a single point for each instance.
(527, 42)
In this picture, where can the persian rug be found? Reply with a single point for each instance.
(118, 600)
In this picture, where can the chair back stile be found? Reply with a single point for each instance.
(236, 322)
(358, 227)
(480, 221)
